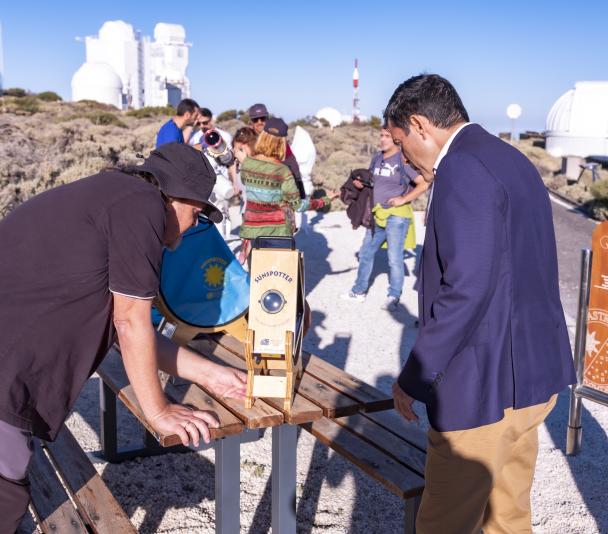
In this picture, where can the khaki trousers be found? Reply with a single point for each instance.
(481, 478)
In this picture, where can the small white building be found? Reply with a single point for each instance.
(331, 115)
(577, 124)
(151, 72)
(99, 82)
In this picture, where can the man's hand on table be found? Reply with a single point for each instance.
(224, 381)
(403, 403)
(187, 423)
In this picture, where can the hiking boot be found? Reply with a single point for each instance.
(353, 297)
(390, 304)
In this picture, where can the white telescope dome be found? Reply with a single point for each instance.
(169, 33)
(99, 82)
(577, 124)
(331, 115)
(116, 30)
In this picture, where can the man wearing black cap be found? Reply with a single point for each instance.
(79, 267)
(258, 115)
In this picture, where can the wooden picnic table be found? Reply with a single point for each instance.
(324, 392)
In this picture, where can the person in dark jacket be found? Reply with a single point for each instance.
(493, 350)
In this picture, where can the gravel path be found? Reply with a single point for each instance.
(174, 493)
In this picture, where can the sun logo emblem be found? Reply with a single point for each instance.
(214, 275)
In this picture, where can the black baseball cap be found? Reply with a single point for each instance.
(256, 111)
(276, 126)
(183, 172)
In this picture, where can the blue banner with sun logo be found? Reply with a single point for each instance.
(201, 281)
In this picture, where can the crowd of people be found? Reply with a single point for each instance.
(81, 263)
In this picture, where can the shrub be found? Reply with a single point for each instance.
(375, 122)
(150, 111)
(227, 115)
(15, 91)
(27, 105)
(103, 118)
(49, 96)
(242, 116)
(93, 104)
(599, 190)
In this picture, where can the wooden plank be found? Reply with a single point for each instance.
(113, 373)
(394, 476)
(389, 443)
(393, 421)
(93, 499)
(302, 410)
(52, 507)
(261, 415)
(369, 398)
(193, 395)
(269, 386)
(332, 402)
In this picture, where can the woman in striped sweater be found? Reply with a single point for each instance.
(271, 191)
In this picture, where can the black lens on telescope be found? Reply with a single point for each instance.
(212, 138)
(272, 301)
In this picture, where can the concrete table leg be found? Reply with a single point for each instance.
(284, 443)
(227, 485)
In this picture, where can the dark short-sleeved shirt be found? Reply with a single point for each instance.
(62, 254)
(392, 177)
(169, 133)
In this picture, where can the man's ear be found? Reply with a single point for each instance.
(420, 124)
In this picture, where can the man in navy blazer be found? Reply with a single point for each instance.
(493, 348)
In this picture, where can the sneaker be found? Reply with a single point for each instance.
(356, 297)
(390, 304)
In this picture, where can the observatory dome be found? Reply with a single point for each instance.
(117, 31)
(331, 115)
(99, 82)
(577, 124)
(169, 33)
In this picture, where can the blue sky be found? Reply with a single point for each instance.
(298, 56)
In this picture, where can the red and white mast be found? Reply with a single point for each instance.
(356, 92)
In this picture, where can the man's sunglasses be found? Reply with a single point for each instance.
(259, 119)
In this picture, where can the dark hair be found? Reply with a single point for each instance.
(187, 105)
(428, 95)
(206, 112)
(245, 135)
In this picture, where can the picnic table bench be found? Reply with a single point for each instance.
(354, 419)
(68, 496)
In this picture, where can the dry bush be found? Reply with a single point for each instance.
(151, 111)
(60, 144)
(57, 146)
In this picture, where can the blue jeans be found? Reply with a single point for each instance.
(394, 234)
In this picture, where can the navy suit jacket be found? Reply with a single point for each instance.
(492, 332)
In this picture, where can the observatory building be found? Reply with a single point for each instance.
(577, 124)
(127, 70)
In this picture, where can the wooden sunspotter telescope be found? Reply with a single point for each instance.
(273, 347)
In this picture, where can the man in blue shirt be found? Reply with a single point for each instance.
(171, 132)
